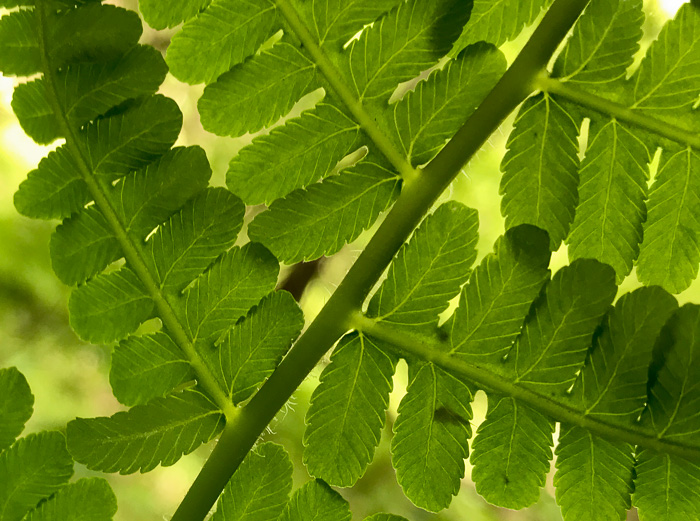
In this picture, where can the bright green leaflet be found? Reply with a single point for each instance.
(16, 405)
(348, 411)
(260, 489)
(88, 499)
(316, 501)
(159, 15)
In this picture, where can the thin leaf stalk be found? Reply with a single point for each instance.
(618, 111)
(416, 199)
(133, 251)
(434, 350)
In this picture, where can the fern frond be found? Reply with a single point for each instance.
(152, 208)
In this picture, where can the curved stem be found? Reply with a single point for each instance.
(133, 251)
(619, 112)
(414, 202)
(432, 350)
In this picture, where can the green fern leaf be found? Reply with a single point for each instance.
(93, 32)
(431, 436)
(147, 367)
(85, 500)
(233, 285)
(317, 501)
(159, 432)
(54, 190)
(19, 44)
(205, 227)
(33, 469)
(611, 210)
(223, 35)
(110, 307)
(494, 304)
(611, 387)
(259, 489)
(402, 44)
(321, 219)
(385, 517)
(16, 405)
(159, 15)
(594, 476)
(559, 330)
(257, 92)
(426, 118)
(87, 90)
(497, 21)
(301, 152)
(540, 181)
(251, 350)
(511, 453)
(603, 44)
(429, 270)
(128, 141)
(670, 253)
(347, 411)
(667, 77)
(335, 21)
(666, 487)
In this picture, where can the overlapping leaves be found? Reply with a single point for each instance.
(143, 237)
(316, 206)
(35, 469)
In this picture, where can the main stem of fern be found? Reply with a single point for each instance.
(133, 252)
(415, 200)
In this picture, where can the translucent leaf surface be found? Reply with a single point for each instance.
(54, 190)
(302, 151)
(238, 280)
(348, 411)
(493, 306)
(559, 330)
(426, 118)
(147, 367)
(431, 436)
(603, 44)
(316, 500)
(335, 21)
(511, 453)
(157, 433)
(192, 239)
(257, 92)
(109, 307)
(225, 34)
(259, 489)
(497, 21)
(93, 32)
(130, 140)
(385, 517)
(16, 405)
(88, 499)
(402, 44)
(160, 15)
(32, 470)
(19, 44)
(430, 269)
(321, 219)
(670, 253)
(252, 349)
(594, 476)
(667, 78)
(611, 209)
(540, 168)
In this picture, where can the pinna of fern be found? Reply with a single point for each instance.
(620, 380)
(142, 236)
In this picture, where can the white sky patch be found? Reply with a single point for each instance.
(670, 7)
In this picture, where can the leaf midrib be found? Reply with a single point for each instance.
(133, 251)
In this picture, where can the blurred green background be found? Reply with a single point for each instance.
(70, 378)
